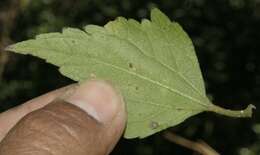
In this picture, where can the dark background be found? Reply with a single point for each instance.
(225, 34)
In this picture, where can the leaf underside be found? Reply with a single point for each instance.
(153, 63)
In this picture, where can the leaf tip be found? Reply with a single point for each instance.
(10, 48)
(154, 10)
(158, 17)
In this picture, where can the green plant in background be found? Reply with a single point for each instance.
(152, 62)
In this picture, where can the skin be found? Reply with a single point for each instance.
(78, 119)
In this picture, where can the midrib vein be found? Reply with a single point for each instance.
(150, 80)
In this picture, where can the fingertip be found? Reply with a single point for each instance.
(99, 99)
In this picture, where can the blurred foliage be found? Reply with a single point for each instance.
(226, 37)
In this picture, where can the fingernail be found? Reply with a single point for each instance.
(98, 98)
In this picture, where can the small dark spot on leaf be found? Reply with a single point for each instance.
(130, 65)
(136, 88)
(179, 109)
(73, 41)
(154, 125)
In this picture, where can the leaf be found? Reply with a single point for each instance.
(153, 63)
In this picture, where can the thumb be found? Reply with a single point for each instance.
(90, 120)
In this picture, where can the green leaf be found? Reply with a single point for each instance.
(153, 63)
